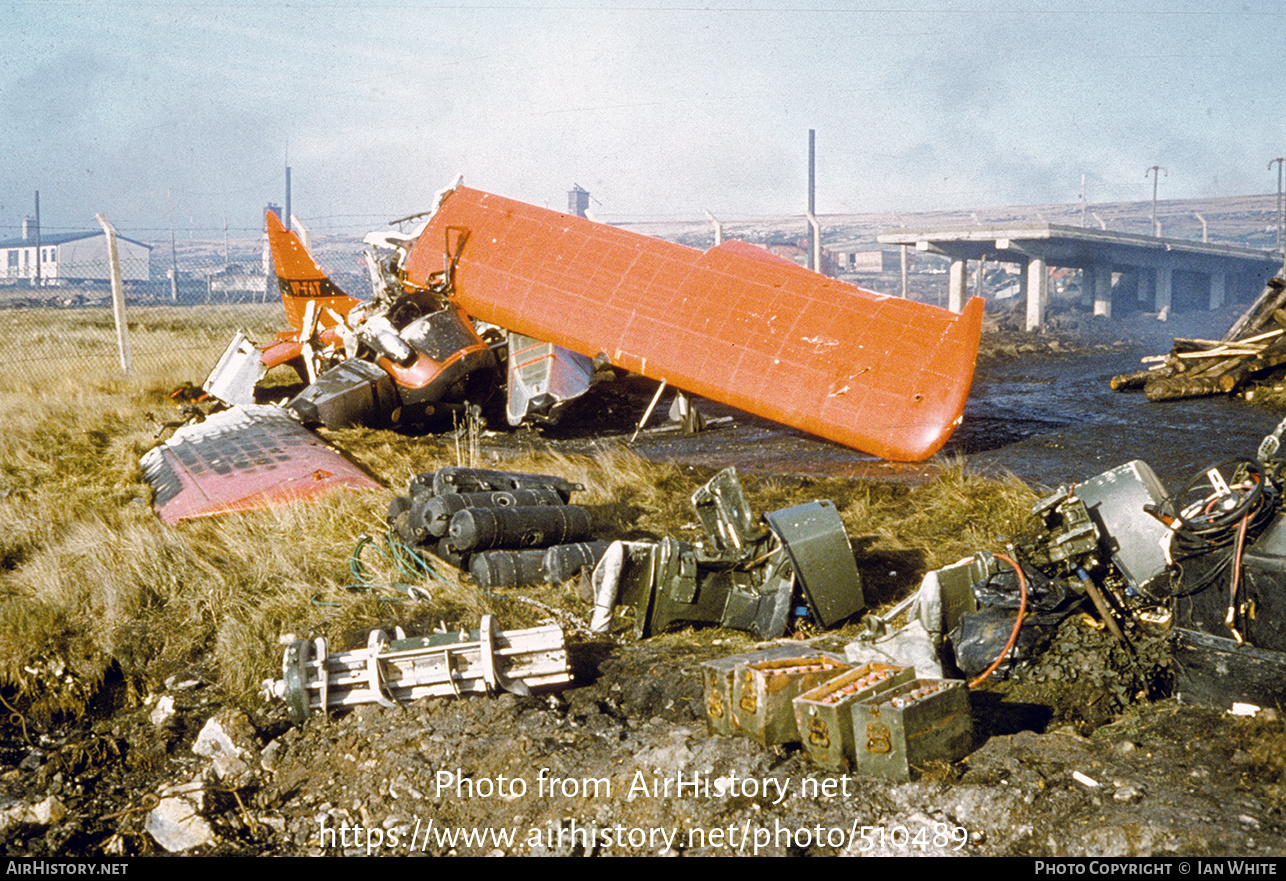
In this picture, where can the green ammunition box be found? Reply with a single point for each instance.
(824, 715)
(763, 693)
(897, 732)
(718, 677)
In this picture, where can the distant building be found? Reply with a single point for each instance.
(71, 257)
(577, 201)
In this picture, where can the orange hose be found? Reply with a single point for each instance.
(1013, 637)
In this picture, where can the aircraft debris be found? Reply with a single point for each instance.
(1253, 346)
(507, 529)
(732, 324)
(566, 299)
(743, 577)
(397, 669)
(249, 457)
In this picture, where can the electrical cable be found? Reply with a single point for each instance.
(1018, 623)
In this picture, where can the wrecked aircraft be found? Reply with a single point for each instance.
(565, 301)
(569, 298)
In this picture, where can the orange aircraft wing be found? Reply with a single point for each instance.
(735, 324)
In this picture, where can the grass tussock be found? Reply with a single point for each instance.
(93, 586)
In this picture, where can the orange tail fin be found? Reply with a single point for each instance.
(301, 279)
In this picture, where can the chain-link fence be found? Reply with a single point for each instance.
(182, 306)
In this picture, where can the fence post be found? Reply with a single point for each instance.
(118, 296)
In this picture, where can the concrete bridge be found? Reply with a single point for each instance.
(1169, 273)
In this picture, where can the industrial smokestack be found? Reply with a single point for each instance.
(39, 252)
(812, 197)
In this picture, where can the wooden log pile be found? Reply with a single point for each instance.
(1254, 344)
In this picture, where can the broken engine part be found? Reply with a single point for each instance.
(389, 671)
(744, 576)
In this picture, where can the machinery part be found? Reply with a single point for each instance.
(354, 392)
(724, 513)
(529, 526)
(759, 601)
(379, 335)
(1070, 536)
(563, 561)
(1114, 500)
(433, 513)
(819, 549)
(391, 671)
(1229, 503)
(1271, 443)
(507, 568)
(455, 479)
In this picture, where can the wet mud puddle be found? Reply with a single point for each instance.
(1050, 421)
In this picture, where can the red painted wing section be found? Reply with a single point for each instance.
(243, 459)
(735, 324)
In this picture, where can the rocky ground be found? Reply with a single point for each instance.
(1065, 762)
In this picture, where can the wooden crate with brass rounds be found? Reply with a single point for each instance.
(719, 675)
(824, 715)
(763, 692)
(921, 721)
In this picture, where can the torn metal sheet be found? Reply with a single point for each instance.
(735, 324)
(242, 459)
(542, 378)
(238, 371)
(393, 670)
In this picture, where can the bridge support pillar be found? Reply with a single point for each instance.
(1037, 292)
(1101, 274)
(956, 284)
(1164, 288)
(1218, 289)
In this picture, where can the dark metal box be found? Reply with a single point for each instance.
(824, 715)
(763, 693)
(897, 732)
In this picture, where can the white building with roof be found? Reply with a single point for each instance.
(61, 258)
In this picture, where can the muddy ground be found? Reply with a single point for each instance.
(1073, 755)
(1058, 768)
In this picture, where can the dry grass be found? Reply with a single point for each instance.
(93, 587)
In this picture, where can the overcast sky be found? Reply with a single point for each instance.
(188, 112)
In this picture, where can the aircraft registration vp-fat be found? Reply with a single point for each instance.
(735, 324)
